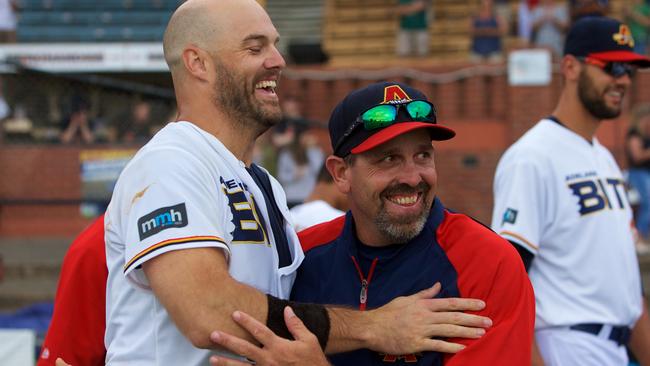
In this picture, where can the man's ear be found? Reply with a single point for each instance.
(339, 170)
(197, 62)
(571, 68)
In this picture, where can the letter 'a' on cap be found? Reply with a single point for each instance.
(605, 39)
(357, 102)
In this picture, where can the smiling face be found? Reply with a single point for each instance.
(248, 66)
(391, 188)
(600, 93)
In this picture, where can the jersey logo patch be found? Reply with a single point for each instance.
(510, 216)
(161, 219)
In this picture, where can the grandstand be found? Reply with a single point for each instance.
(93, 21)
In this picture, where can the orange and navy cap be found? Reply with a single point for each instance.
(604, 39)
(347, 112)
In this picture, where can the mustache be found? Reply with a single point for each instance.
(267, 74)
(405, 189)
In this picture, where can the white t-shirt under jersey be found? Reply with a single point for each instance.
(312, 213)
(183, 189)
(563, 199)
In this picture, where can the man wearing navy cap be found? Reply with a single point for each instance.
(398, 238)
(560, 199)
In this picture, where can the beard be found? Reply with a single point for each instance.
(592, 101)
(233, 95)
(403, 228)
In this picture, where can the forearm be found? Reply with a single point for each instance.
(640, 338)
(68, 134)
(349, 330)
(87, 135)
(200, 296)
(537, 359)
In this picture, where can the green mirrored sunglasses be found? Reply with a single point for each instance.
(383, 115)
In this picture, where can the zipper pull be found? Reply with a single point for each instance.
(363, 296)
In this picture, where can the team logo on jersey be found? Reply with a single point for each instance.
(249, 225)
(624, 36)
(510, 216)
(161, 219)
(410, 358)
(598, 194)
(395, 94)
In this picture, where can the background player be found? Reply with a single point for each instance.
(560, 198)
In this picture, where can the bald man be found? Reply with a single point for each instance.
(194, 231)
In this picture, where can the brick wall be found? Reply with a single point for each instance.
(40, 185)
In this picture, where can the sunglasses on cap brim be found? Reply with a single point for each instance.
(612, 68)
(383, 115)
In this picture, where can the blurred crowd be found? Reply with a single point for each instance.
(78, 120)
(538, 23)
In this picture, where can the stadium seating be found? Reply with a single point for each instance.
(299, 22)
(352, 32)
(94, 21)
(362, 32)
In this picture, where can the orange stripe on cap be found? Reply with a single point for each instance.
(519, 237)
(165, 243)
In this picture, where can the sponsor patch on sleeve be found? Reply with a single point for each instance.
(510, 216)
(161, 219)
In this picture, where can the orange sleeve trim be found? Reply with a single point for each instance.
(169, 242)
(520, 238)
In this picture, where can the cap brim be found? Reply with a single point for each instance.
(622, 56)
(438, 133)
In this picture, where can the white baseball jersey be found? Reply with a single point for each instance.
(183, 189)
(562, 198)
(312, 213)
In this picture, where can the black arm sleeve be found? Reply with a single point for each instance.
(314, 316)
(526, 255)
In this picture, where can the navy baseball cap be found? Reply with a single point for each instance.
(347, 139)
(604, 39)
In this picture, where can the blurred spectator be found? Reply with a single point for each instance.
(8, 9)
(298, 166)
(19, 126)
(139, 127)
(637, 17)
(325, 203)
(524, 21)
(413, 33)
(486, 29)
(77, 127)
(550, 21)
(585, 8)
(637, 148)
(2, 269)
(292, 123)
(503, 10)
(282, 135)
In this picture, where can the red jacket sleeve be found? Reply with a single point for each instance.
(76, 333)
(490, 269)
